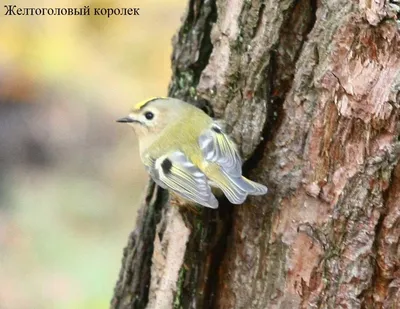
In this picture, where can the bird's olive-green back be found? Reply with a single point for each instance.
(182, 134)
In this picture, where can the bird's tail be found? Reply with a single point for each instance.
(236, 189)
(254, 188)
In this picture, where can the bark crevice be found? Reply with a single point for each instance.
(132, 287)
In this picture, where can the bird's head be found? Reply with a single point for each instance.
(150, 117)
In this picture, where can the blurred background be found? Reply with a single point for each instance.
(70, 176)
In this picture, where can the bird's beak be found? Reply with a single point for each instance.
(126, 120)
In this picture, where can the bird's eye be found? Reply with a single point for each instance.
(149, 115)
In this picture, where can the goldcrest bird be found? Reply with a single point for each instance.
(186, 151)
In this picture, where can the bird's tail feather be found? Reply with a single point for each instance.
(236, 189)
(255, 187)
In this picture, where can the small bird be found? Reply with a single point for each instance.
(186, 151)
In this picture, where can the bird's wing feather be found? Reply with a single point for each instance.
(177, 173)
(219, 148)
(149, 166)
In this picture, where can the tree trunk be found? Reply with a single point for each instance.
(309, 90)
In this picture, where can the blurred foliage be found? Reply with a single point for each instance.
(70, 177)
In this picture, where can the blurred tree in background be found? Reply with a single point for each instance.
(67, 195)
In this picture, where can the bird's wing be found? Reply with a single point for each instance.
(177, 173)
(219, 148)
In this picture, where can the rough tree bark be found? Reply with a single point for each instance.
(309, 89)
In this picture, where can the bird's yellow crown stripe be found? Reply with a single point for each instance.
(140, 104)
